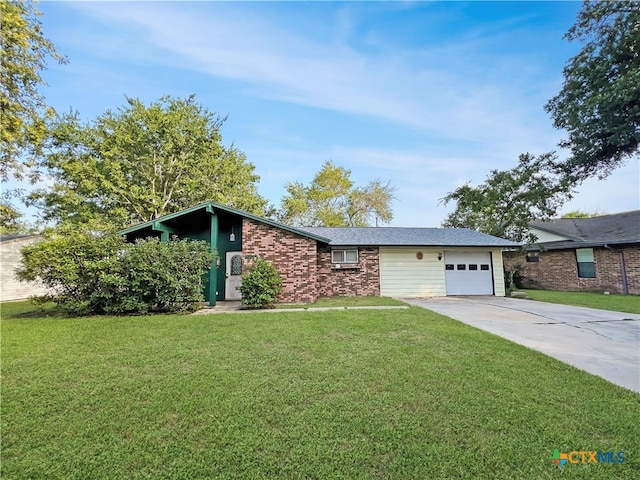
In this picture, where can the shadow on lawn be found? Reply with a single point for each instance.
(39, 313)
(32, 308)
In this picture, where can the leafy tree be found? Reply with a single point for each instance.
(23, 56)
(142, 162)
(599, 104)
(371, 204)
(332, 200)
(581, 214)
(11, 220)
(509, 199)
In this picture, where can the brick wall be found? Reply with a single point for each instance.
(294, 256)
(360, 281)
(558, 270)
(632, 264)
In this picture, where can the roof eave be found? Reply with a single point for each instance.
(572, 246)
(212, 207)
(423, 245)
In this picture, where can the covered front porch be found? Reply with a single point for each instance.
(220, 227)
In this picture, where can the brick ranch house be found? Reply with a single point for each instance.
(583, 254)
(324, 262)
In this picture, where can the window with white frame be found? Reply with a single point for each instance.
(586, 263)
(347, 255)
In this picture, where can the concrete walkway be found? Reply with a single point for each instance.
(600, 342)
(236, 307)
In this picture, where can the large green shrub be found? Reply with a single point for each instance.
(72, 268)
(260, 285)
(88, 275)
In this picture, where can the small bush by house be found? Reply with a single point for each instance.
(260, 285)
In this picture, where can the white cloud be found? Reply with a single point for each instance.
(435, 89)
(471, 104)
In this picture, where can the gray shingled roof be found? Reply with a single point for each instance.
(400, 236)
(615, 229)
(357, 236)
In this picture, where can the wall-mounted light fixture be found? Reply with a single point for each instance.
(439, 256)
(232, 237)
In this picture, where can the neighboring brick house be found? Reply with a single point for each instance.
(584, 254)
(324, 262)
(10, 256)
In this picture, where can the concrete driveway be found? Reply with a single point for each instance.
(600, 342)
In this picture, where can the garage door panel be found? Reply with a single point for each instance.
(402, 274)
(468, 273)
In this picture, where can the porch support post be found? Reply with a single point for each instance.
(213, 271)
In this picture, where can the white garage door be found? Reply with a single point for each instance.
(468, 273)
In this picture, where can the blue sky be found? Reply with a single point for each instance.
(424, 95)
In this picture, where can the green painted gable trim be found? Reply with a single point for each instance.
(211, 207)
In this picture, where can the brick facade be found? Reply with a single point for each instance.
(305, 267)
(558, 270)
(294, 256)
(355, 280)
(632, 264)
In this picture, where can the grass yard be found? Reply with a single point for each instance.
(360, 394)
(364, 301)
(617, 303)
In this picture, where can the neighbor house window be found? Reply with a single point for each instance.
(344, 256)
(586, 263)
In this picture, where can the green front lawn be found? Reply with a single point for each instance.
(617, 303)
(365, 301)
(389, 394)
